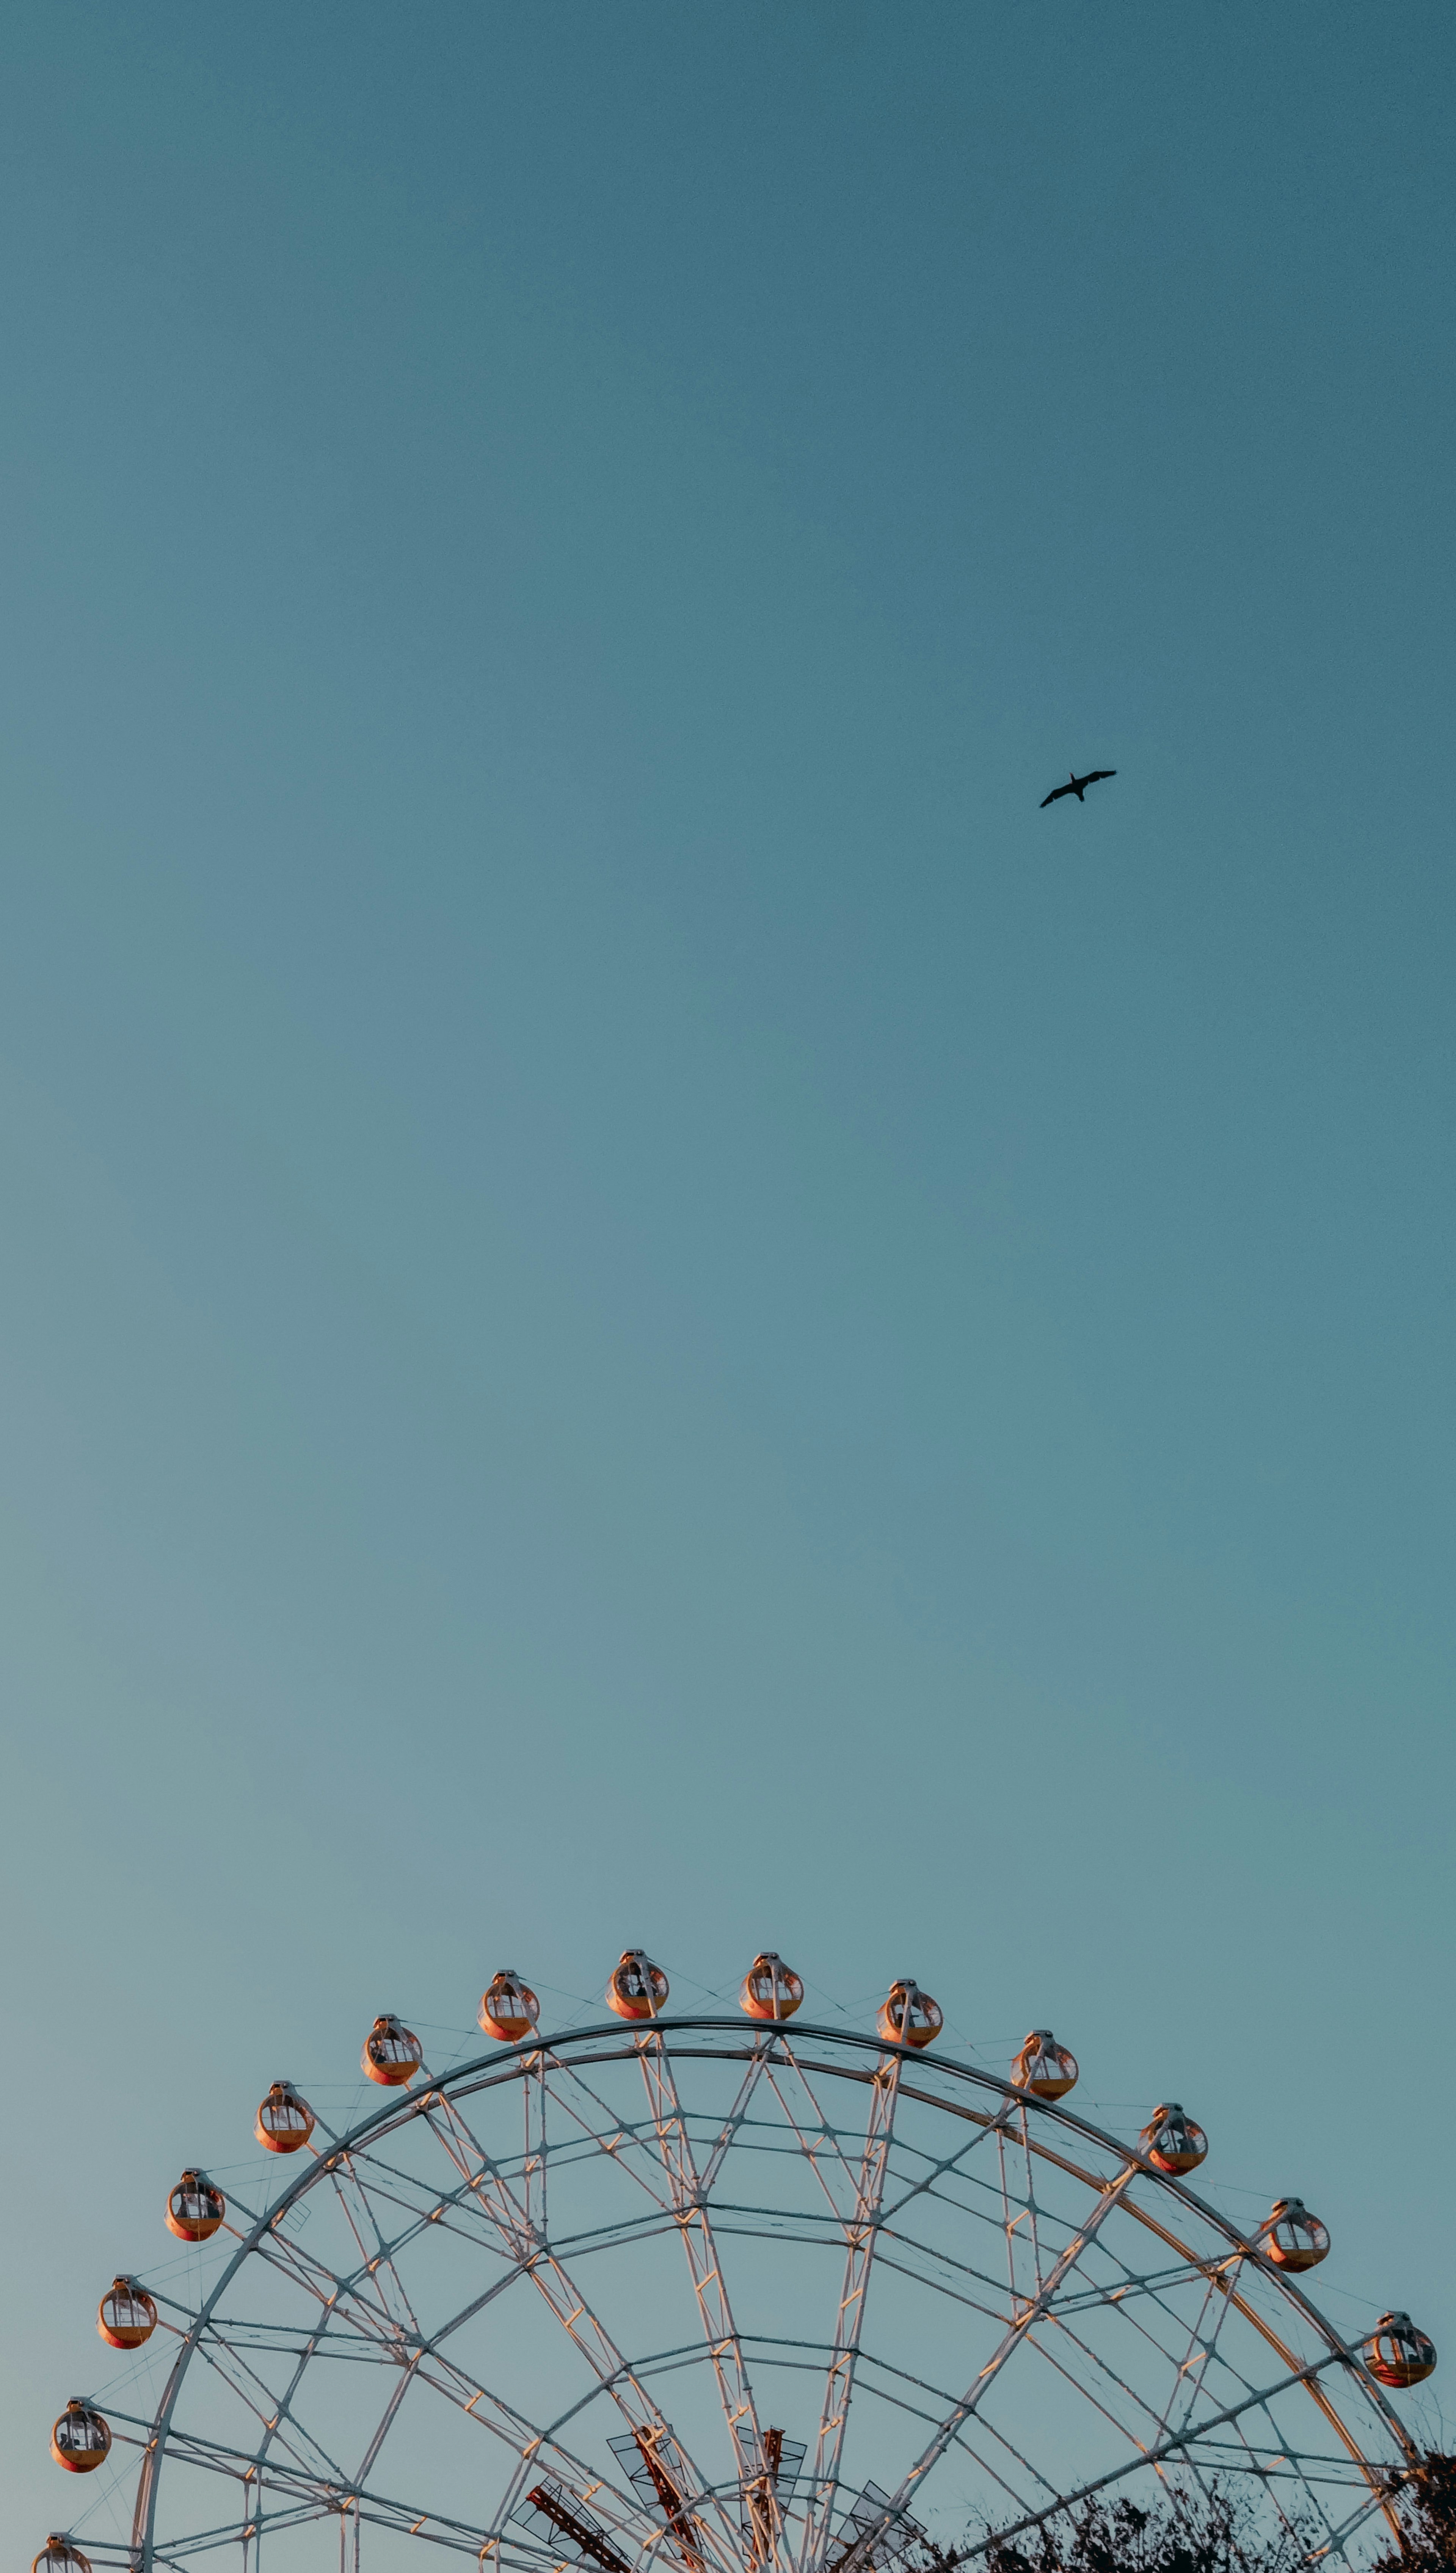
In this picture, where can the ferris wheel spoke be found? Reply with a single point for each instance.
(531, 2452)
(608, 2133)
(304, 2269)
(862, 2237)
(814, 2135)
(929, 2184)
(988, 2430)
(1176, 2443)
(459, 2210)
(308, 2496)
(1018, 2499)
(533, 2164)
(1216, 2292)
(457, 2213)
(348, 2188)
(275, 2419)
(1311, 2491)
(1261, 2468)
(1104, 2367)
(374, 2349)
(542, 2450)
(1011, 2226)
(1037, 2342)
(360, 2328)
(720, 2332)
(1008, 2221)
(220, 2457)
(923, 2413)
(380, 2339)
(293, 2442)
(258, 2397)
(359, 2294)
(727, 2133)
(1335, 2349)
(507, 2278)
(1141, 2304)
(1066, 2326)
(682, 2489)
(406, 2378)
(1364, 2511)
(992, 2305)
(178, 2551)
(1132, 2286)
(975, 2394)
(410, 2206)
(1024, 2129)
(534, 2447)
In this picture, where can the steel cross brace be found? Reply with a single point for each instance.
(720, 2332)
(975, 2394)
(531, 2252)
(1170, 2447)
(860, 2234)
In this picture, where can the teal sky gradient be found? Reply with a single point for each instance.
(636, 1302)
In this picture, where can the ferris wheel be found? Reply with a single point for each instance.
(717, 2295)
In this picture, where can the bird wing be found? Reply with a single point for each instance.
(1093, 774)
(1052, 798)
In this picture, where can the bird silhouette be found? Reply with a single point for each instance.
(1074, 785)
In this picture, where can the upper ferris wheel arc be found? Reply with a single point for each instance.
(1052, 2306)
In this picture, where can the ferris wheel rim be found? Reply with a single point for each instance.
(507, 2062)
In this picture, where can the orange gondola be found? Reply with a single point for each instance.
(393, 2054)
(195, 2209)
(1397, 2354)
(771, 1990)
(126, 2315)
(285, 2121)
(1043, 2067)
(637, 1989)
(509, 2009)
(58, 2555)
(81, 2440)
(908, 2016)
(1171, 2142)
(1293, 2238)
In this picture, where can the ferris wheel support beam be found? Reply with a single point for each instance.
(1177, 2442)
(723, 2143)
(537, 2450)
(1110, 2196)
(819, 2144)
(1220, 2285)
(530, 2246)
(308, 2496)
(720, 2332)
(862, 2234)
(532, 2446)
(391, 2338)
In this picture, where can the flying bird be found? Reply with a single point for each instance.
(1075, 784)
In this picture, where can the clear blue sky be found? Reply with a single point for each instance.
(636, 1302)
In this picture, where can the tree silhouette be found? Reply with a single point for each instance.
(1425, 2499)
(1186, 2531)
(1218, 2531)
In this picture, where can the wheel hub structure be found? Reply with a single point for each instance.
(710, 2296)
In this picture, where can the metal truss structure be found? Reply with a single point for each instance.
(713, 2297)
